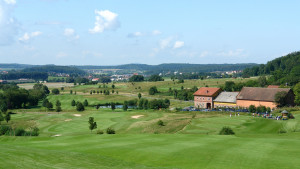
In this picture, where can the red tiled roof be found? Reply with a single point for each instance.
(260, 94)
(273, 86)
(207, 91)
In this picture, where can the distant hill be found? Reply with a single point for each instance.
(285, 69)
(148, 69)
(15, 66)
(55, 69)
(181, 67)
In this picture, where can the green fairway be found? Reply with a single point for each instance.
(184, 141)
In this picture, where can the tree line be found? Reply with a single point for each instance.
(284, 70)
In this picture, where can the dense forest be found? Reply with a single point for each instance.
(285, 69)
(149, 69)
(13, 75)
(55, 69)
(181, 67)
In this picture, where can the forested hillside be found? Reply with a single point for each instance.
(285, 69)
(181, 67)
(55, 69)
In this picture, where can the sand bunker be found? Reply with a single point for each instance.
(68, 119)
(137, 116)
(77, 115)
(57, 135)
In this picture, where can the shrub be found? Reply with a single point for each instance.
(4, 129)
(35, 131)
(153, 90)
(282, 130)
(160, 123)
(55, 91)
(100, 132)
(79, 106)
(226, 131)
(20, 132)
(110, 131)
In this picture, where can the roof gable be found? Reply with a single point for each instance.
(260, 94)
(207, 91)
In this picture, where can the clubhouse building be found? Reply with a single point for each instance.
(209, 97)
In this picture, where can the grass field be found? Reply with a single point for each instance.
(187, 140)
(184, 141)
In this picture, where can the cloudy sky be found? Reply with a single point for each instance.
(113, 32)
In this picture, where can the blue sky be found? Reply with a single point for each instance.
(113, 32)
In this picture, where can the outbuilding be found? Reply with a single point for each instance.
(258, 96)
(203, 97)
(226, 99)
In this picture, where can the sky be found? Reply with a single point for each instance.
(114, 32)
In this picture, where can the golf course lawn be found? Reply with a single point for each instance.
(187, 140)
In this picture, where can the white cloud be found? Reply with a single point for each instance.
(90, 53)
(204, 53)
(71, 34)
(10, 2)
(9, 27)
(232, 53)
(37, 33)
(178, 44)
(164, 43)
(28, 36)
(135, 34)
(105, 20)
(61, 55)
(156, 32)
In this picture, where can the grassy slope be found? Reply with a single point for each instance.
(256, 144)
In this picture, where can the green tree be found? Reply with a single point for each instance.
(113, 105)
(125, 106)
(280, 98)
(252, 109)
(262, 81)
(296, 90)
(55, 91)
(154, 78)
(113, 86)
(73, 103)
(57, 103)
(229, 85)
(153, 90)
(85, 103)
(7, 117)
(92, 124)
(45, 102)
(136, 78)
(1, 118)
(49, 105)
(79, 106)
(58, 106)
(139, 95)
(71, 91)
(3, 106)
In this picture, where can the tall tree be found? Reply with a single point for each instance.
(73, 103)
(92, 124)
(7, 117)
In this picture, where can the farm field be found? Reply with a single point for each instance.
(184, 142)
